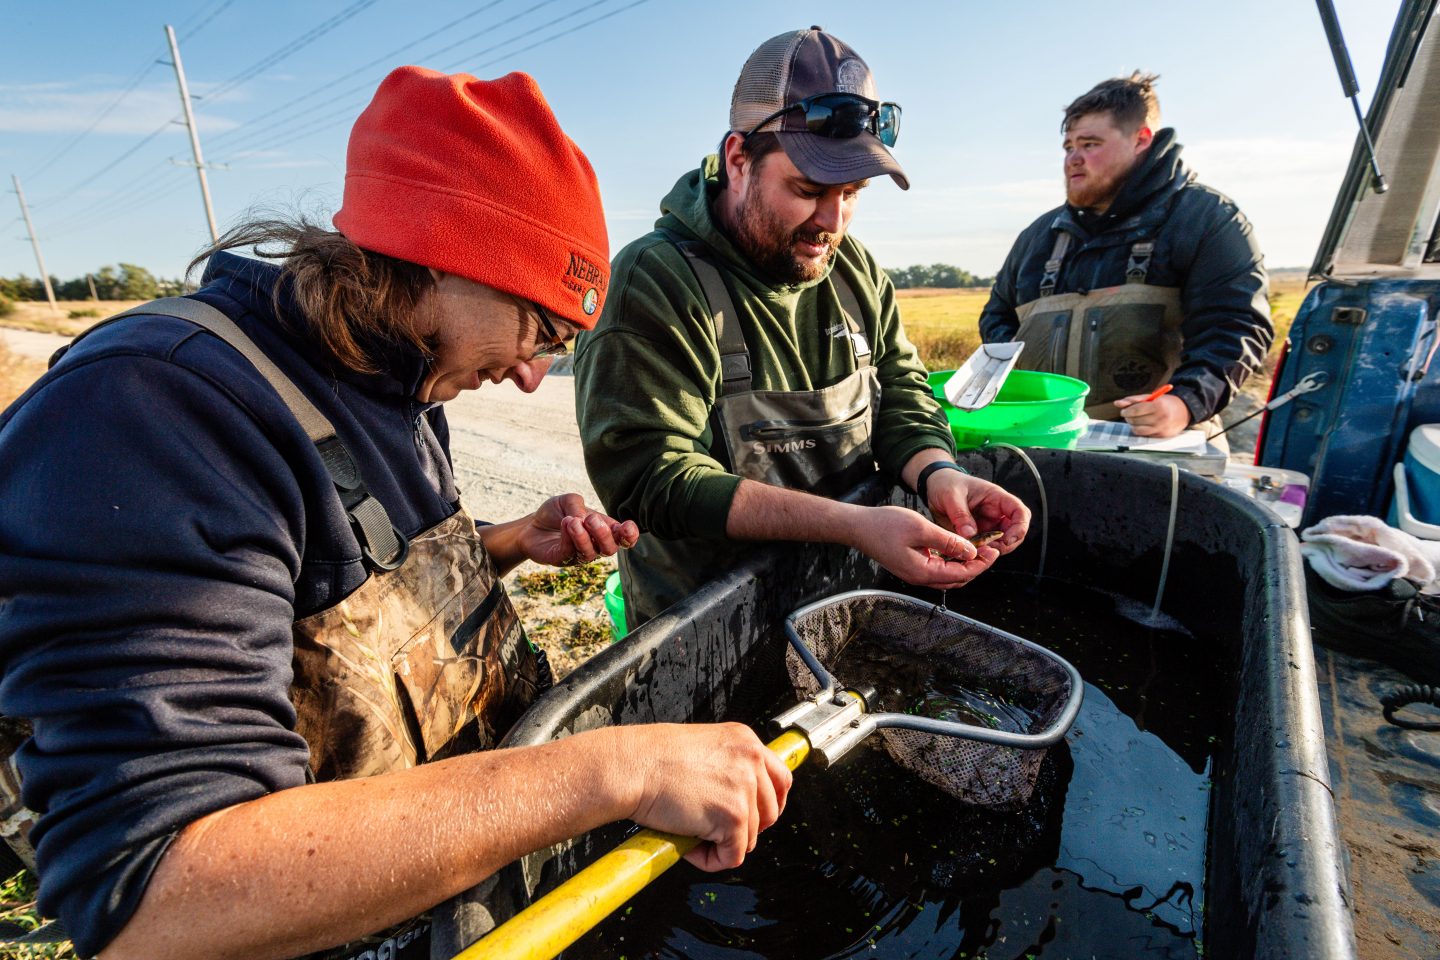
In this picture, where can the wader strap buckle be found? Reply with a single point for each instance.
(1051, 276)
(381, 546)
(1139, 264)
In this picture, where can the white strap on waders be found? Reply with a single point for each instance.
(1052, 266)
(381, 545)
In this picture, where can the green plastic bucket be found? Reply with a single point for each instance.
(1032, 409)
(615, 606)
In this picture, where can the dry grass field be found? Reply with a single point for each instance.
(16, 374)
(69, 316)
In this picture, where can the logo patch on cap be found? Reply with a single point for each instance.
(586, 280)
(851, 77)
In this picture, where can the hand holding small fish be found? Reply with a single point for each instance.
(977, 541)
(967, 504)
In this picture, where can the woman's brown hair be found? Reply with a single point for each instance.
(347, 296)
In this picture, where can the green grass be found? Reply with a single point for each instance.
(570, 585)
(569, 642)
(17, 907)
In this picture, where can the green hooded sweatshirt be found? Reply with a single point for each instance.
(648, 375)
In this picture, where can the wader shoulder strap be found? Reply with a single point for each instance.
(382, 546)
(1052, 266)
(735, 376)
(850, 307)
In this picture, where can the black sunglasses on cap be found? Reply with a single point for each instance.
(555, 344)
(843, 116)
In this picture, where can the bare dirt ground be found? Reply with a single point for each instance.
(32, 344)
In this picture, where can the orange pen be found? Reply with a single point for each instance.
(1160, 391)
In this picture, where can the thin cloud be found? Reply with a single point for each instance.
(71, 108)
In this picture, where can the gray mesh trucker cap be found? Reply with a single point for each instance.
(805, 63)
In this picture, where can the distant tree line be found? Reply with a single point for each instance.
(935, 275)
(124, 282)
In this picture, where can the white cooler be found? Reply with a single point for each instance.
(1416, 507)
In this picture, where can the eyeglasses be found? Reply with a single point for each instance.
(555, 345)
(843, 116)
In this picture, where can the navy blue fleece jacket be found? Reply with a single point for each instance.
(163, 521)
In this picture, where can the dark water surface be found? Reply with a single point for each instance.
(1106, 860)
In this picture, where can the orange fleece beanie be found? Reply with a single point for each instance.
(476, 178)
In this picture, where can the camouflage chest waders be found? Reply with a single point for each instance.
(813, 440)
(426, 659)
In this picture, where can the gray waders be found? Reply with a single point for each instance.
(1121, 340)
(818, 441)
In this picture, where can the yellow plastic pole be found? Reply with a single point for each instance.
(567, 913)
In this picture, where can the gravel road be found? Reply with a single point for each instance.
(512, 450)
(28, 343)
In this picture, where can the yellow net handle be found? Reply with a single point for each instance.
(567, 913)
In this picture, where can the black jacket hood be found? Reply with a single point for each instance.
(1160, 172)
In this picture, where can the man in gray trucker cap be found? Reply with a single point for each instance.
(751, 363)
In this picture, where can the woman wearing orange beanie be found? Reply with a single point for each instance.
(254, 649)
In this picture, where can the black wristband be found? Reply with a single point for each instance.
(924, 478)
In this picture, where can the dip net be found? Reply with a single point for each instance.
(966, 707)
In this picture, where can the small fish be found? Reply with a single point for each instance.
(977, 541)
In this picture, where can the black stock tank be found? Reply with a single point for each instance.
(1186, 814)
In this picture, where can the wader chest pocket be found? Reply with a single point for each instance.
(451, 669)
(1046, 337)
(1129, 347)
(823, 456)
(787, 430)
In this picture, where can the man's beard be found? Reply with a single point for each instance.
(1093, 192)
(770, 246)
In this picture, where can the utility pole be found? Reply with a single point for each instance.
(39, 260)
(90, 279)
(194, 133)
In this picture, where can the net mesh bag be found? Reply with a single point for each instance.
(904, 647)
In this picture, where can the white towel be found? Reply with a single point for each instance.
(1363, 553)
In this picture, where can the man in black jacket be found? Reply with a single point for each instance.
(1142, 278)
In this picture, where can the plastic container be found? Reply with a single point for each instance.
(1032, 409)
(1283, 491)
(720, 655)
(1416, 506)
(615, 606)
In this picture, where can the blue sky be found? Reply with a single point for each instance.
(1249, 87)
